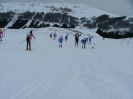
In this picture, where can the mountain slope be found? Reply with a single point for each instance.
(76, 10)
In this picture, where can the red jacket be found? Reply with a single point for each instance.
(31, 35)
(1, 33)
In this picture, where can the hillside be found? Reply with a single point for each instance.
(38, 15)
(75, 10)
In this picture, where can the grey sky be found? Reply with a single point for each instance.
(119, 7)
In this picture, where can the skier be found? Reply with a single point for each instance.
(55, 35)
(90, 39)
(1, 34)
(51, 35)
(60, 39)
(86, 40)
(28, 39)
(83, 41)
(77, 39)
(66, 37)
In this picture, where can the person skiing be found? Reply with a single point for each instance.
(90, 39)
(83, 41)
(55, 35)
(60, 39)
(1, 34)
(77, 39)
(28, 39)
(51, 35)
(66, 37)
(86, 40)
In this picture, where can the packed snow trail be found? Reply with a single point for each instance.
(51, 72)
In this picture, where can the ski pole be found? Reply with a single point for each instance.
(21, 41)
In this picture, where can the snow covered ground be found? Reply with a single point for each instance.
(50, 72)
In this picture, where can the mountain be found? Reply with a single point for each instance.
(75, 10)
(38, 15)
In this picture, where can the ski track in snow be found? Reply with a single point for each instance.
(50, 72)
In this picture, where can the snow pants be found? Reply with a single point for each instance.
(76, 42)
(28, 44)
(83, 45)
(60, 44)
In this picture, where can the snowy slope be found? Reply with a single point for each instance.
(77, 10)
(50, 72)
(14, 19)
(129, 17)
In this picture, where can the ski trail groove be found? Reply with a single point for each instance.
(32, 65)
(47, 76)
(10, 61)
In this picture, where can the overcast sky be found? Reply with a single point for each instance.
(118, 7)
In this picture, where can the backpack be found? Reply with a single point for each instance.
(28, 36)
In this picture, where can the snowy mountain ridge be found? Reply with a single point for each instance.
(18, 15)
(76, 10)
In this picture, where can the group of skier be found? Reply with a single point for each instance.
(30, 35)
(83, 41)
(60, 39)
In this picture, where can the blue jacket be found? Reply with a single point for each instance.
(60, 39)
(83, 41)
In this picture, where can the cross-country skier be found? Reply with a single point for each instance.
(1, 34)
(90, 39)
(83, 41)
(86, 40)
(77, 39)
(55, 35)
(28, 39)
(66, 37)
(51, 35)
(60, 39)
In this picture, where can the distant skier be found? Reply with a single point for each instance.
(90, 39)
(51, 35)
(60, 39)
(1, 34)
(86, 40)
(83, 41)
(28, 39)
(66, 37)
(55, 35)
(77, 39)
